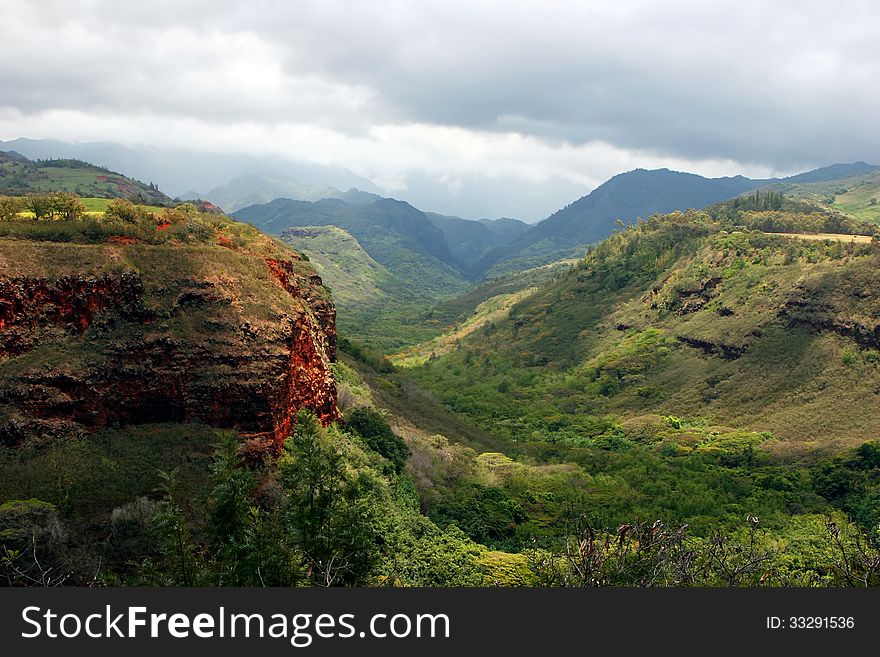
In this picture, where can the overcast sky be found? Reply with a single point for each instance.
(536, 99)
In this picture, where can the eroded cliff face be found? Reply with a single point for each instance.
(70, 301)
(78, 353)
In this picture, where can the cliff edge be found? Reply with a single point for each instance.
(231, 329)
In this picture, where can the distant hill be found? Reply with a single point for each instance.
(253, 189)
(344, 265)
(394, 233)
(833, 172)
(469, 241)
(20, 176)
(853, 189)
(625, 197)
(370, 300)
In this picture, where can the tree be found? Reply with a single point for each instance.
(172, 531)
(41, 206)
(10, 206)
(249, 544)
(65, 205)
(855, 557)
(377, 434)
(125, 210)
(333, 510)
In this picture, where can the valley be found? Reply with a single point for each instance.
(178, 405)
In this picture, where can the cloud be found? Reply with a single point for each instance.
(523, 94)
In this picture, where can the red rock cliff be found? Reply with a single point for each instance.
(78, 353)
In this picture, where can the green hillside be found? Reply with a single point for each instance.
(20, 176)
(372, 303)
(857, 195)
(691, 314)
(393, 233)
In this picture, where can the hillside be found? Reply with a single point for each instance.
(686, 315)
(626, 197)
(20, 176)
(851, 189)
(372, 302)
(395, 234)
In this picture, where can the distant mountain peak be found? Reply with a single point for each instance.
(833, 172)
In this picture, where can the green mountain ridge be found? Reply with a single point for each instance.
(393, 233)
(627, 197)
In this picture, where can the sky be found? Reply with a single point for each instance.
(487, 108)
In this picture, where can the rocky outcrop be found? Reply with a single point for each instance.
(190, 351)
(693, 299)
(69, 301)
(808, 307)
(301, 286)
(726, 351)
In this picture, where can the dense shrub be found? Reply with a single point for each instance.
(377, 434)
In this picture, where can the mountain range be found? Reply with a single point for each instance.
(179, 171)
(489, 248)
(253, 189)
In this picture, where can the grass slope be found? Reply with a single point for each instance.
(393, 233)
(683, 315)
(19, 176)
(372, 303)
(856, 195)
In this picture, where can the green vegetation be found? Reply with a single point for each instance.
(20, 176)
(722, 495)
(854, 195)
(682, 315)
(378, 436)
(327, 511)
(684, 406)
(691, 369)
(321, 513)
(63, 217)
(771, 212)
(374, 304)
